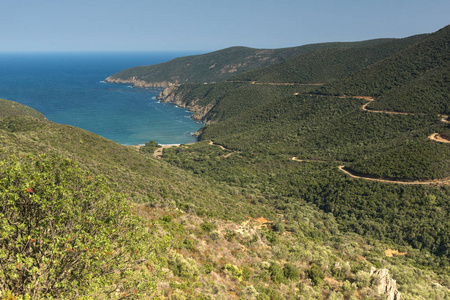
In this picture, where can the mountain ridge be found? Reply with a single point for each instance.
(218, 65)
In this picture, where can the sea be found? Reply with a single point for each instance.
(69, 88)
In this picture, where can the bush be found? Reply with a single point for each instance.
(185, 268)
(61, 228)
(149, 147)
(291, 272)
(235, 271)
(278, 227)
(207, 226)
(276, 273)
(316, 274)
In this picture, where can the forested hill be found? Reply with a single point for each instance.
(415, 80)
(220, 65)
(326, 65)
(265, 125)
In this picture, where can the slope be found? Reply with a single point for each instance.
(413, 80)
(326, 65)
(142, 178)
(176, 243)
(11, 108)
(219, 65)
(325, 132)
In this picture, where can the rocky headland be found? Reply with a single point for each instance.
(172, 94)
(136, 82)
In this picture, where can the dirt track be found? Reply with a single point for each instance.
(437, 138)
(434, 137)
(278, 83)
(417, 182)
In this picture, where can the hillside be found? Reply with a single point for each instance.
(212, 103)
(413, 80)
(217, 66)
(11, 108)
(287, 140)
(181, 220)
(294, 191)
(326, 65)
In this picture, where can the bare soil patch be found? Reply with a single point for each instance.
(391, 253)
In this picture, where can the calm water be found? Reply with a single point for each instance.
(69, 89)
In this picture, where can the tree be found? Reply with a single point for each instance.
(149, 147)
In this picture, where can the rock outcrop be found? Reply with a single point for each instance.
(140, 83)
(384, 284)
(173, 95)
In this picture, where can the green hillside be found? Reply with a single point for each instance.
(169, 225)
(170, 233)
(326, 65)
(11, 108)
(292, 192)
(219, 65)
(212, 103)
(263, 129)
(413, 80)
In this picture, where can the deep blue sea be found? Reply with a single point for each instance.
(68, 88)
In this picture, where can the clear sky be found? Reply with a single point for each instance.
(204, 25)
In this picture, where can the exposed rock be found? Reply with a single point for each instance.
(171, 94)
(140, 83)
(384, 284)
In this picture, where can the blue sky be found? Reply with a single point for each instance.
(174, 25)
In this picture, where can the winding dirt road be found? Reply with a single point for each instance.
(434, 137)
(438, 138)
(416, 182)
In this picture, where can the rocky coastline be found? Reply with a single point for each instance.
(172, 95)
(169, 94)
(135, 82)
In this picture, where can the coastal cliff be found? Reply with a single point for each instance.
(173, 94)
(134, 81)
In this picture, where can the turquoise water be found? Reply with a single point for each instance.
(69, 89)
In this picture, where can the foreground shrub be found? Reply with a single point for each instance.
(63, 232)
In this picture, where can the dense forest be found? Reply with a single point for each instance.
(321, 127)
(326, 65)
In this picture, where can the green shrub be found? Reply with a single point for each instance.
(185, 268)
(208, 268)
(291, 272)
(316, 275)
(62, 229)
(207, 226)
(278, 227)
(149, 147)
(188, 243)
(236, 272)
(276, 273)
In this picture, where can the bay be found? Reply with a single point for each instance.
(68, 88)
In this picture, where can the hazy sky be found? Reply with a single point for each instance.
(149, 25)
